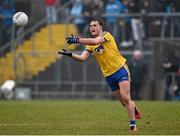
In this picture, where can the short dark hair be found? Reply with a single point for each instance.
(97, 19)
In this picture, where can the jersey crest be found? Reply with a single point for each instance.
(99, 50)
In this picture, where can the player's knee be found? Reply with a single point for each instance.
(125, 99)
(122, 102)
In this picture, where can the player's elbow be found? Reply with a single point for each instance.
(81, 60)
(95, 42)
(84, 59)
(98, 40)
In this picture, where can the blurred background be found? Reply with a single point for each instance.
(147, 33)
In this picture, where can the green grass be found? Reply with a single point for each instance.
(86, 117)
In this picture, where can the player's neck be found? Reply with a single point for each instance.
(95, 36)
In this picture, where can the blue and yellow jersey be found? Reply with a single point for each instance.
(107, 55)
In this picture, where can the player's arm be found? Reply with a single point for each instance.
(81, 58)
(88, 41)
(92, 41)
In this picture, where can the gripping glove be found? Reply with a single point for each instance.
(72, 39)
(65, 52)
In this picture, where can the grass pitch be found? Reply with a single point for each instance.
(86, 117)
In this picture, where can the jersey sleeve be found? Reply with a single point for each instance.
(88, 48)
(106, 36)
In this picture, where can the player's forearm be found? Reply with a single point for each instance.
(89, 41)
(78, 57)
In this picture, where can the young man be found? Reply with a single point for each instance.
(113, 65)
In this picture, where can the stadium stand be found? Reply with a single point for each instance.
(35, 58)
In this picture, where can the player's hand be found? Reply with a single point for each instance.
(65, 52)
(72, 39)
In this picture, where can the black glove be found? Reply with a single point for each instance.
(72, 39)
(65, 52)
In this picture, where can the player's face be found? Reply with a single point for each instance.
(95, 28)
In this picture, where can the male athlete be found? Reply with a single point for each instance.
(113, 65)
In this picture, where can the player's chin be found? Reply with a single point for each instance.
(93, 34)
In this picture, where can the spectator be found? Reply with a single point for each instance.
(126, 26)
(167, 6)
(65, 7)
(7, 13)
(87, 10)
(170, 68)
(105, 2)
(177, 19)
(51, 12)
(112, 9)
(98, 9)
(145, 8)
(1, 5)
(63, 2)
(87, 13)
(138, 70)
(134, 6)
(76, 14)
(137, 26)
